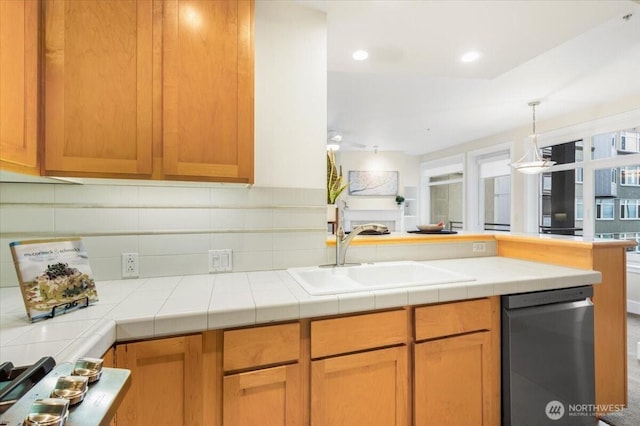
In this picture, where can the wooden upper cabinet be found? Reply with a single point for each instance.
(98, 74)
(19, 86)
(208, 90)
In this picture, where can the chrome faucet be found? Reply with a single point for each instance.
(343, 240)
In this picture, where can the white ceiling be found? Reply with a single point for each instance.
(414, 95)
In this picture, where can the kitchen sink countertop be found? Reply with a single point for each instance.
(145, 308)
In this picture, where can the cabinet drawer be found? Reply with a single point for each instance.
(258, 346)
(359, 332)
(452, 318)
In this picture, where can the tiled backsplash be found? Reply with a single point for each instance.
(172, 227)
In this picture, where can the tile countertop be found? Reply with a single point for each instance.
(156, 307)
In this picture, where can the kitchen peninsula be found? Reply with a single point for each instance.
(223, 337)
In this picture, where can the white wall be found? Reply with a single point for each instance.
(290, 95)
(408, 167)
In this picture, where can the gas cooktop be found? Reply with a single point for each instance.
(97, 407)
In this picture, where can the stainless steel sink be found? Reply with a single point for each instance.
(372, 276)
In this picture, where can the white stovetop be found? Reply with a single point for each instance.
(155, 307)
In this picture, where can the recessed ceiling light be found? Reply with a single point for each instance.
(360, 55)
(470, 56)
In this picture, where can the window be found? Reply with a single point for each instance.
(579, 208)
(634, 236)
(625, 200)
(497, 203)
(594, 188)
(612, 144)
(629, 209)
(629, 141)
(561, 203)
(607, 236)
(605, 209)
(442, 192)
(445, 194)
(565, 153)
(495, 191)
(546, 183)
(630, 176)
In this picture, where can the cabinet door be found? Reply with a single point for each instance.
(453, 381)
(166, 382)
(109, 358)
(266, 397)
(98, 87)
(208, 89)
(18, 85)
(368, 388)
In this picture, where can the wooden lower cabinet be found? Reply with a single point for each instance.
(109, 361)
(166, 382)
(268, 397)
(262, 382)
(435, 364)
(452, 383)
(368, 388)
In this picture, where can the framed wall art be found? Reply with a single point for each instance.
(373, 182)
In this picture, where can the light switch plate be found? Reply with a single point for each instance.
(479, 247)
(221, 260)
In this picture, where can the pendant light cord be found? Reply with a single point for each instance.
(533, 106)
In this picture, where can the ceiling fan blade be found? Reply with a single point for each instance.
(354, 145)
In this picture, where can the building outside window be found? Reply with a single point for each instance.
(561, 190)
(616, 190)
(630, 176)
(605, 209)
(629, 141)
(629, 209)
(579, 209)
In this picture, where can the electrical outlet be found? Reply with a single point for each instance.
(130, 267)
(479, 247)
(220, 260)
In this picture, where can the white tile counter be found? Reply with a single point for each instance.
(156, 307)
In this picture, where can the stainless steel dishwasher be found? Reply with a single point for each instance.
(547, 358)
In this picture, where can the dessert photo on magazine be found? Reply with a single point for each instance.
(55, 276)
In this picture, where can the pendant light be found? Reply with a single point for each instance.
(539, 164)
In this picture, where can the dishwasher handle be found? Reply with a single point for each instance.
(547, 297)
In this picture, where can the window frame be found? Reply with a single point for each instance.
(598, 215)
(626, 202)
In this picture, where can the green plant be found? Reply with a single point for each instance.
(335, 183)
(399, 199)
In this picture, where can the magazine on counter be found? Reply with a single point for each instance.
(55, 276)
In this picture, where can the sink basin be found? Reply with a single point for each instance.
(372, 276)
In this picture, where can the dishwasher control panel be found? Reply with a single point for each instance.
(536, 298)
